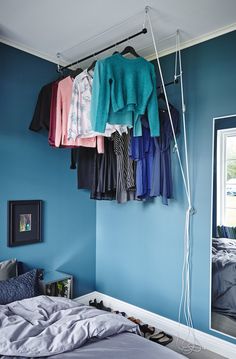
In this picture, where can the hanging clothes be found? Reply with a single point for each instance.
(41, 117)
(123, 89)
(105, 173)
(79, 122)
(64, 94)
(162, 174)
(125, 182)
(142, 151)
(82, 159)
(110, 176)
(52, 126)
(111, 121)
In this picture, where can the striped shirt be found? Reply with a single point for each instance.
(125, 168)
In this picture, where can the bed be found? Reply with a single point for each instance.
(62, 328)
(224, 276)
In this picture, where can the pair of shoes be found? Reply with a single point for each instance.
(161, 338)
(102, 307)
(121, 313)
(99, 305)
(93, 303)
(144, 328)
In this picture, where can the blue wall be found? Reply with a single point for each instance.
(30, 169)
(140, 246)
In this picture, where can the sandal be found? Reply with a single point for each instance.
(161, 338)
(145, 329)
(158, 335)
(136, 321)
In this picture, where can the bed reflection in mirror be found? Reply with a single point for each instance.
(223, 291)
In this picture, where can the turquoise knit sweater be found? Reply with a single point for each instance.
(123, 90)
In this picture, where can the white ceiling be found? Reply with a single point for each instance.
(76, 28)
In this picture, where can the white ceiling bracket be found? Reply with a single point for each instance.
(146, 10)
(58, 64)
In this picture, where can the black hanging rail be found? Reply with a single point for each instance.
(143, 31)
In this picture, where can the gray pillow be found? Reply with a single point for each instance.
(8, 269)
(24, 286)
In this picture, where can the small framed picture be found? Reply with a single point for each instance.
(24, 222)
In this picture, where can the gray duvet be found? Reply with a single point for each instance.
(121, 346)
(45, 326)
(224, 276)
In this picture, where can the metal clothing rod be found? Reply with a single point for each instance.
(143, 31)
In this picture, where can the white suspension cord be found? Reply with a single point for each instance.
(183, 108)
(167, 104)
(185, 302)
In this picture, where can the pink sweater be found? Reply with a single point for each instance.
(64, 94)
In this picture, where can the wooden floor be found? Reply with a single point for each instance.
(223, 324)
(203, 354)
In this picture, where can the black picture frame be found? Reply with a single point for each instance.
(24, 222)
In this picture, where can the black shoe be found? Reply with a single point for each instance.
(93, 303)
(161, 338)
(145, 329)
(102, 307)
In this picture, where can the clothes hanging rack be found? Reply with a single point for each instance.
(62, 68)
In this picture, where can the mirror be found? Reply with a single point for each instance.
(223, 239)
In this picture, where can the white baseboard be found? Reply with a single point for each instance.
(209, 342)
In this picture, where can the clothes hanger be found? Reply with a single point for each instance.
(91, 67)
(76, 72)
(129, 50)
(117, 50)
(161, 96)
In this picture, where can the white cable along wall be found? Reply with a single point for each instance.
(185, 300)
